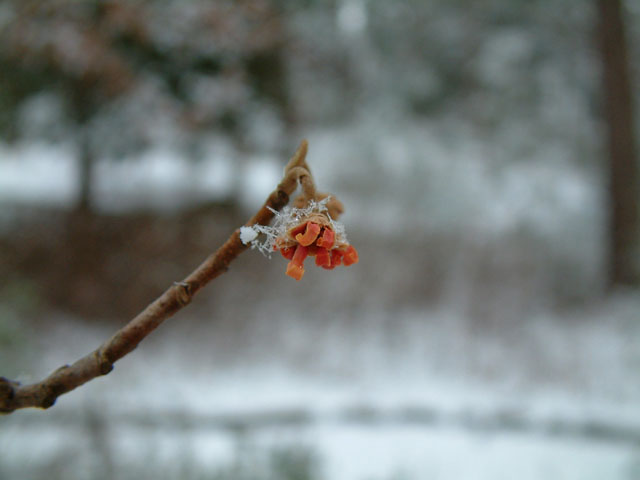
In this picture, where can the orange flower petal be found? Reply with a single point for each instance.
(310, 235)
(287, 252)
(327, 238)
(295, 268)
(300, 254)
(295, 271)
(323, 258)
(299, 229)
(336, 257)
(350, 256)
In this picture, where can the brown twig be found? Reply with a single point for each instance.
(43, 394)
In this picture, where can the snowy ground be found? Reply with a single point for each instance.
(481, 410)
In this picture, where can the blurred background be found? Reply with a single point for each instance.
(486, 156)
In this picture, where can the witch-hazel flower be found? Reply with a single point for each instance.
(308, 228)
(314, 234)
(307, 231)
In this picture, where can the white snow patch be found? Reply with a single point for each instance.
(38, 173)
(352, 16)
(247, 234)
(259, 178)
(352, 451)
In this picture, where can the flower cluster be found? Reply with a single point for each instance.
(314, 239)
(298, 233)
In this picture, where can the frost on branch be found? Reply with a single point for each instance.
(308, 228)
(247, 234)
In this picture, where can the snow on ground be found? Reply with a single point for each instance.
(160, 179)
(386, 175)
(446, 453)
(345, 452)
(389, 414)
(389, 176)
(38, 173)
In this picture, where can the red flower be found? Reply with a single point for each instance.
(314, 237)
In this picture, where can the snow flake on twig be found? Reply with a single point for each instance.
(301, 232)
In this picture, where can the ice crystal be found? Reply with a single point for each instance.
(248, 234)
(284, 221)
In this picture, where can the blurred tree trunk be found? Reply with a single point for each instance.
(85, 168)
(82, 107)
(622, 162)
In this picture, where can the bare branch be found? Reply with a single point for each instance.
(43, 394)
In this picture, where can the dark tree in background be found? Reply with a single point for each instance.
(184, 78)
(624, 213)
(121, 72)
(108, 80)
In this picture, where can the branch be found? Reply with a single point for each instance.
(43, 394)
